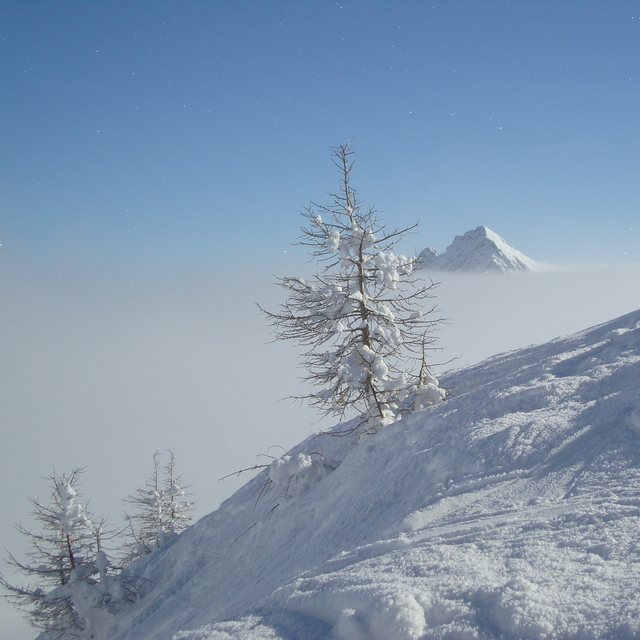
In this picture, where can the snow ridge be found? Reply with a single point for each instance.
(510, 511)
(480, 250)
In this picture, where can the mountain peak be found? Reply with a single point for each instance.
(479, 250)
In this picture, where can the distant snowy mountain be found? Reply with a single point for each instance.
(480, 250)
(509, 511)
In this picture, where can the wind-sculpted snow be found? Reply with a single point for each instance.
(510, 511)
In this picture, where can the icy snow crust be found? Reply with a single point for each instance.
(510, 511)
(480, 250)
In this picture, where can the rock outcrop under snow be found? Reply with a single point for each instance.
(480, 250)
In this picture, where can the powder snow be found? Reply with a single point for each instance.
(509, 511)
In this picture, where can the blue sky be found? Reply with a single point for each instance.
(183, 133)
(140, 137)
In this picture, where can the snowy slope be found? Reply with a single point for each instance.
(511, 511)
(480, 250)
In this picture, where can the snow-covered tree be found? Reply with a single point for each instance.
(73, 594)
(161, 510)
(362, 319)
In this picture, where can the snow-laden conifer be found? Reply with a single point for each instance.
(72, 593)
(363, 320)
(160, 510)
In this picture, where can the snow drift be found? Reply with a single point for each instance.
(481, 251)
(511, 510)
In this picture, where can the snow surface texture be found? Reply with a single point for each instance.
(480, 250)
(510, 511)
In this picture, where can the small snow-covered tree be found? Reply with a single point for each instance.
(73, 594)
(161, 510)
(362, 319)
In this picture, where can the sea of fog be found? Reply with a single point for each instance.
(103, 366)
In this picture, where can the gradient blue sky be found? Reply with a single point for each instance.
(184, 133)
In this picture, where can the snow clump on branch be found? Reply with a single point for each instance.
(362, 320)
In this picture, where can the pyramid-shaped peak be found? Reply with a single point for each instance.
(479, 250)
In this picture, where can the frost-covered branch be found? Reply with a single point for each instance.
(74, 593)
(363, 320)
(160, 510)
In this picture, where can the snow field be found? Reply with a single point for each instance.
(510, 511)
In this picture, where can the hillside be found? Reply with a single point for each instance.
(511, 510)
(479, 250)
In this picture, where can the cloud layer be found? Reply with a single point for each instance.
(102, 367)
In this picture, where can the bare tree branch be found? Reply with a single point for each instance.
(364, 321)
